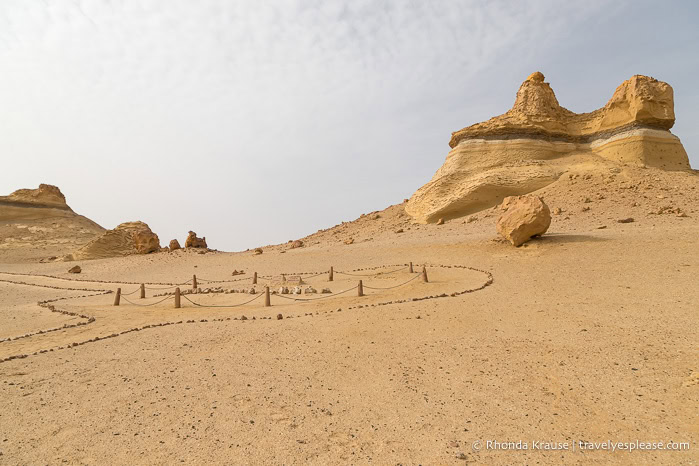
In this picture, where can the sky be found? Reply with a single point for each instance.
(256, 122)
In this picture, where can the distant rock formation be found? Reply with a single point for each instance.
(537, 141)
(174, 245)
(126, 239)
(37, 223)
(193, 242)
(523, 218)
(46, 195)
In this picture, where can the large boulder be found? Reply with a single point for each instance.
(523, 218)
(174, 245)
(126, 239)
(193, 241)
(537, 140)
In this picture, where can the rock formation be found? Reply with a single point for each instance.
(37, 223)
(193, 242)
(537, 141)
(523, 218)
(126, 239)
(174, 245)
(45, 195)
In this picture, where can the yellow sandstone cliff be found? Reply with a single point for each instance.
(537, 141)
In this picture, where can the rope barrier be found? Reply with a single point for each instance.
(129, 294)
(146, 305)
(88, 319)
(372, 274)
(391, 287)
(222, 305)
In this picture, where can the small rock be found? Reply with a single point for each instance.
(326, 291)
(280, 317)
(626, 220)
(75, 269)
(400, 230)
(258, 251)
(174, 245)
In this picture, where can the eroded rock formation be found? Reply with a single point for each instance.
(46, 195)
(193, 241)
(537, 141)
(37, 223)
(126, 239)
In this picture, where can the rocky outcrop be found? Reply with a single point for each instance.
(523, 218)
(46, 195)
(537, 140)
(38, 223)
(193, 241)
(126, 239)
(174, 245)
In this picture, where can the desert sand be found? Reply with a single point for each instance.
(587, 333)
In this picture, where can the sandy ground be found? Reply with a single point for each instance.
(586, 334)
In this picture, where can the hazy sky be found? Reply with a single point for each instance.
(256, 122)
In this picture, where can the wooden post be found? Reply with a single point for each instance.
(254, 278)
(411, 268)
(177, 298)
(267, 303)
(360, 289)
(330, 276)
(143, 290)
(117, 298)
(424, 274)
(194, 282)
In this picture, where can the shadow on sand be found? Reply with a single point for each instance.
(562, 238)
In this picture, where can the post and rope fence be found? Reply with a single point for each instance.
(360, 287)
